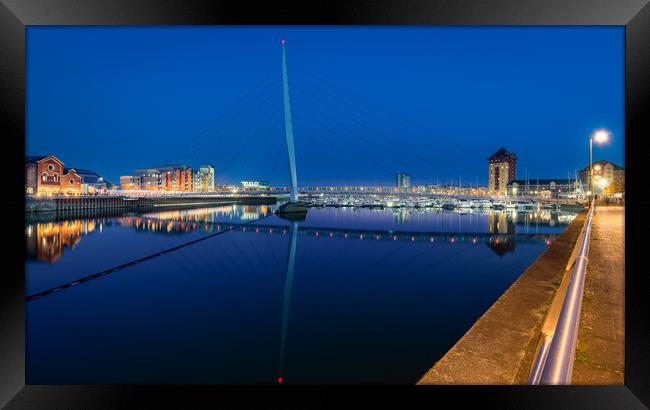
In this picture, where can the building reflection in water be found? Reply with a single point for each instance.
(190, 220)
(512, 222)
(501, 222)
(402, 216)
(501, 245)
(45, 241)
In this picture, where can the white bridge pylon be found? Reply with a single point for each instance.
(288, 125)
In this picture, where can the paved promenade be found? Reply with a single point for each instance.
(600, 356)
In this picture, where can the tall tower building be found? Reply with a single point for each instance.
(502, 168)
(403, 181)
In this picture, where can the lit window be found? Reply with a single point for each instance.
(44, 176)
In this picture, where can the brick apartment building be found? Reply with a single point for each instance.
(46, 176)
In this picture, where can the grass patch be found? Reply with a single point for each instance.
(581, 355)
(557, 282)
(529, 346)
(544, 309)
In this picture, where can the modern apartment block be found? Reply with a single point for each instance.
(403, 181)
(204, 179)
(176, 177)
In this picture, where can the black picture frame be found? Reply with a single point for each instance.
(15, 15)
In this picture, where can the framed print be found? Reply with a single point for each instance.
(255, 205)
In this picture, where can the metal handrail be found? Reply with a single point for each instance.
(554, 361)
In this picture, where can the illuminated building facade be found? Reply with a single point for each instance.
(204, 179)
(177, 178)
(46, 176)
(403, 181)
(502, 169)
(130, 182)
(91, 182)
(609, 178)
(255, 185)
(544, 188)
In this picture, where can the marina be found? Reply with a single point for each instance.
(447, 202)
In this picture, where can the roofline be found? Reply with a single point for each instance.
(46, 157)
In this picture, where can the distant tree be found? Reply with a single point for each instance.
(614, 188)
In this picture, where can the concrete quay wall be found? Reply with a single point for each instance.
(498, 348)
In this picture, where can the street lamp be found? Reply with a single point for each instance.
(599, 136)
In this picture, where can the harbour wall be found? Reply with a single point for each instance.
(67, 204)
(498, 348)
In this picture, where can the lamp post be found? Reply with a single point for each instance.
(599, 136)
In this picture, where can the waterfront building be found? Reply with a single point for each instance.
(165, 178)
(609, 178)
(177, 177)
(255, 185)
(91, 182)
(150, 179)
(403, 181)
(46, 176)
(130, 182)
(502, 169)
(546, 188)
(204, 179)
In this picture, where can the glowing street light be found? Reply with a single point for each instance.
(600, 136)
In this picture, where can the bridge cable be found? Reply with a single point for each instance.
(399, 131)
(323, 152)
(448, 140)
(345, 140)
(223, 115)
(248, 119)
(375, 132)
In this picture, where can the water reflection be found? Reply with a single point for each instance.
(45, 241)
(275, 301)
(501, 246)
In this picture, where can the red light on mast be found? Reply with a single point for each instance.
(280, 378)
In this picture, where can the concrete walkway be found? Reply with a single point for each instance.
(601, 349)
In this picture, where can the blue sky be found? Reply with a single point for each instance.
(116, 98)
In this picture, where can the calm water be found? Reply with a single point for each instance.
(373, 296)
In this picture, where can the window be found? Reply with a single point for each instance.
(50, 167)
(71, 181)
(56, 177)
(44, 176)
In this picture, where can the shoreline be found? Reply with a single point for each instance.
(498, 347)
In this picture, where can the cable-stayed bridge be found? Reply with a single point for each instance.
(339, 137)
